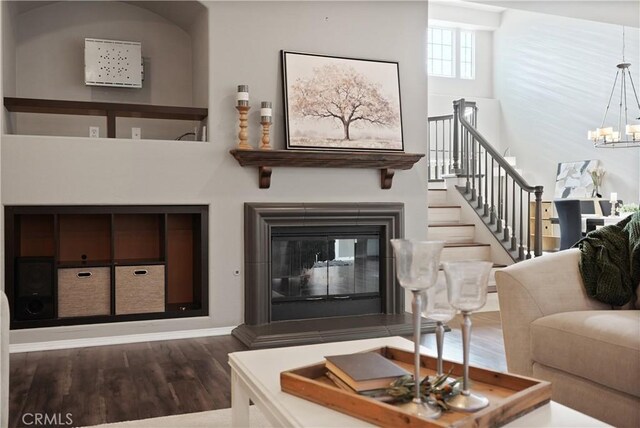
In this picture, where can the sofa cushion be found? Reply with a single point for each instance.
(602, 346)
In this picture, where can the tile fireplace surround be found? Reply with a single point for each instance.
(260, 219)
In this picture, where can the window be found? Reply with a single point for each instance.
(451, 53)
(440, 52)
(467, 55)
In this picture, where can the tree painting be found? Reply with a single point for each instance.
(342, 95)
(342, 103)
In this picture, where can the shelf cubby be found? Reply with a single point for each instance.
(36, 236)
(138, 238)
(153, 259)
(84, 237)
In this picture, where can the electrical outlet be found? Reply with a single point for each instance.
(94, 131)
(136, 133)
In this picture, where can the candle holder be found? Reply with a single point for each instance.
(615, 208)
(264, 143)
(417, 269)
(467, 292)
(265, 120)
(243, 135)
(439, 309)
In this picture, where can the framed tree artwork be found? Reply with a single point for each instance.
(335, 103)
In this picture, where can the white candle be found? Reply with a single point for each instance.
(265, 111)
(613, 197)
(243, 95)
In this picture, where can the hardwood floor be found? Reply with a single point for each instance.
(144, 380)
(487, 346)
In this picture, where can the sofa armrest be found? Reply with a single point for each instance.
(533, 289)
(4, 361)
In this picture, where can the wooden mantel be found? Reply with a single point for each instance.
(386, 162)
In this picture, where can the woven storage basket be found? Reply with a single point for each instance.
(139, 289)
(84, 292)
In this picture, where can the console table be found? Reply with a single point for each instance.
(255, 376)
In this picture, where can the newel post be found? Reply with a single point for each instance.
(456, 138)
(537, 242)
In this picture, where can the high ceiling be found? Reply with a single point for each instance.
(620, 12)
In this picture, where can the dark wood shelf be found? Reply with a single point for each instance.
(386, 162)
(109, 110)
(42, 241)
(138, 262)
(83, 264)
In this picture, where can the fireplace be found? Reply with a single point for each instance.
(321, 271)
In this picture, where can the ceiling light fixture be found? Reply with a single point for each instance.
(626, 134)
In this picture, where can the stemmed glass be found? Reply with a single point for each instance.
(417, 265)
(467, 291)
(439, 309)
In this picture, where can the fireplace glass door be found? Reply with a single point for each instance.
(318, 274)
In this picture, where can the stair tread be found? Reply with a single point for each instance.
(495, 266)
(437, 190)
(451, 224)
(465, 244)
(444, 206)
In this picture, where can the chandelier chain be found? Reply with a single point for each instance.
(606, 110)
(623, 44)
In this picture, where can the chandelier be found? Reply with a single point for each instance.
(626, 134)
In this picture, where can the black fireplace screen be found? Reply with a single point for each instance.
(309, 266)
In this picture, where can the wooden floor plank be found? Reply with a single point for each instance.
(143, 380)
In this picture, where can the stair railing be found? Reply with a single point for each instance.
(496, 186)
(443, 157)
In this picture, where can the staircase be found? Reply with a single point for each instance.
(503, 204)
(445, 223)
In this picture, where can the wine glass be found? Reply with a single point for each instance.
(417, 265)
(439, 309)
(467, 291)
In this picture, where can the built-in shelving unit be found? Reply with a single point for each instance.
(70, 265)
(265, 160)
(109, 110)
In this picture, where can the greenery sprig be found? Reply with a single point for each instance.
(436, 390)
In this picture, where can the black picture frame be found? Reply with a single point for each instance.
(364, 115)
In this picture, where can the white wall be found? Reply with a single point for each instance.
(45, 170)
(553, 77)
(482, 85)
(50, 63)
(489, 115)
(200, 57)
(443, 90)
(9, 15)
(476, 17)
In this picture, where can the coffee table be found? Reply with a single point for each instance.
(255, 376)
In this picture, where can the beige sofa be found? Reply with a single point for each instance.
(554, 331)
(4, 361)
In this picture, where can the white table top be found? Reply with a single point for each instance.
(607, 220)
(261, 369)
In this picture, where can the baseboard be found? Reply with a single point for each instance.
(118, 340)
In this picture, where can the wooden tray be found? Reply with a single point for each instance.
(510, 396)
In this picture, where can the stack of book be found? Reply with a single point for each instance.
(367, 373)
